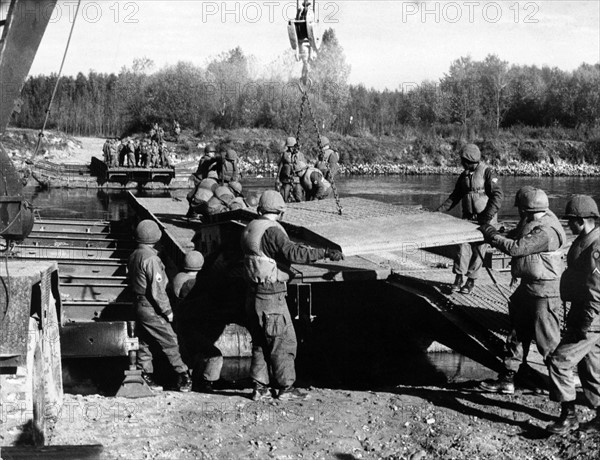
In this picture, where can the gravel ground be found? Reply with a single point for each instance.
(399, 423)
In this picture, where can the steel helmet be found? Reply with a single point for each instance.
(231, 155)
(300, 166)
(236, 187)
(271, 202)
(193, 261)
(147, 232)
(202, 195)
(535, 200)
(324, 141)
(471, 153)
(209, 184)
(521, 192)
(210, 148)
(224, 193)
(582, 206)
(290, 142)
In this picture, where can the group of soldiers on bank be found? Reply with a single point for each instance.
(298, 181)
(150, 152)
(534, 308)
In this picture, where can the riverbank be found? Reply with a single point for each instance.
(259, 151)
(399, 423)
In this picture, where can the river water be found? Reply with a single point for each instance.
(428, 191)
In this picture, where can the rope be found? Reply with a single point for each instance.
(41, 134)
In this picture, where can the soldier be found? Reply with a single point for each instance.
(144, 153)
(480, 194)
(131, 154)
(229, 167)
(219, 203)
(315, 186)
(106, 152)
(580, 345)
(115, 147)
(176, 130)
(328, 162)
(148, 282)
(154, 155)
(238, 202)
(268, 253)
(184, 281)
(285, 172)
(208, 162)
(535, 305)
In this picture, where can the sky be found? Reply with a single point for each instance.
(388, 44)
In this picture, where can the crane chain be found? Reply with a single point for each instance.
(320, 147)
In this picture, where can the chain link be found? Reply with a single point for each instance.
(320, 147)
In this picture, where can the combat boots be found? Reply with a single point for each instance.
(458, 281)
(261, 393)
(505, 384)
(593, 424)
(184, 382)
(468, 287)
(150, 382)
(567, 421)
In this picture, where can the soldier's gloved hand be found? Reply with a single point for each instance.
(489, 232)
(484, 218)
(334, 254)
(170, 317)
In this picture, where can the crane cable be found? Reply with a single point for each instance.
(306, 101)
(41, 133)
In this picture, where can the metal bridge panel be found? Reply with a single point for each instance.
(368, 226)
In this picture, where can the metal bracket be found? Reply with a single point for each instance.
(303, 301)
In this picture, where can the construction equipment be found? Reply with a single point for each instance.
(305, 39)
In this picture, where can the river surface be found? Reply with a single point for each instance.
(428, 191)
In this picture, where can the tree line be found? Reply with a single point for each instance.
(230, 92)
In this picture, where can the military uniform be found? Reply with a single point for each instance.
(315, 185)
(481, 196)
(328, 164)
(148, 282)
(580, 284)
(268, 253)
(535, 306)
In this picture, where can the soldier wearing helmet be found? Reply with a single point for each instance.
(184, 281)
(478, 191)
(153, 311)
(580, 345)
(268, 253)
(238, 202)
(315, 186)
(285, 173)
(230, 170)
(328, 161)
(535, 305)
(208, 162)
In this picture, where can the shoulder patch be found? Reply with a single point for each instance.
(159, 277)
(596, 254)
(494, 180)
(536, 230)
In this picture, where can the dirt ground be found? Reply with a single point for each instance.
(399, 423)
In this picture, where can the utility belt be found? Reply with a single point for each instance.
(268, 288)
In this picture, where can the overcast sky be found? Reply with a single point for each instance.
(387, 43)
